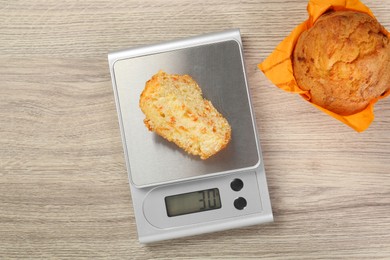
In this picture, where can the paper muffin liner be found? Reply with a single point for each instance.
(279, 69)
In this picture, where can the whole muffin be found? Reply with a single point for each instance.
(343, 61)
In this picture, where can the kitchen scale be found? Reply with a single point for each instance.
(175, 194)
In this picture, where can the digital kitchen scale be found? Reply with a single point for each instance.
(175, 194)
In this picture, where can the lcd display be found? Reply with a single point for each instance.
(193, 202)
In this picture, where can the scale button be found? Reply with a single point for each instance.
(240, 203)
(236, 184)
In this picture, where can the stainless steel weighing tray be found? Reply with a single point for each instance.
(219, 70)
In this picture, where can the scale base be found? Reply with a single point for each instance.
(153, 226)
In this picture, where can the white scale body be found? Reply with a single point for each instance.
(175, 194)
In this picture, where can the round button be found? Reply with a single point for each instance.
(236, 184)
(240, 203)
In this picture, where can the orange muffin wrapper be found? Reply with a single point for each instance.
(278, 66)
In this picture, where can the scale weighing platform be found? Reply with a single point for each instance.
(175, 194)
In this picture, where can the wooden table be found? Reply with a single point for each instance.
(63, 183)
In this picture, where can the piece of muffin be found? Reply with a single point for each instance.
(175, 109)
(343, 61)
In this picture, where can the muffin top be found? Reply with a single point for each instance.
(343, 61)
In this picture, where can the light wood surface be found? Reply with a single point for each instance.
(63, 184)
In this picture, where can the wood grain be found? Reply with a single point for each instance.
(63, 185)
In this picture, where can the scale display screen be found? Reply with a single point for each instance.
(193, 202)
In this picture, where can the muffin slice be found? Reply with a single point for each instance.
(175, 109)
